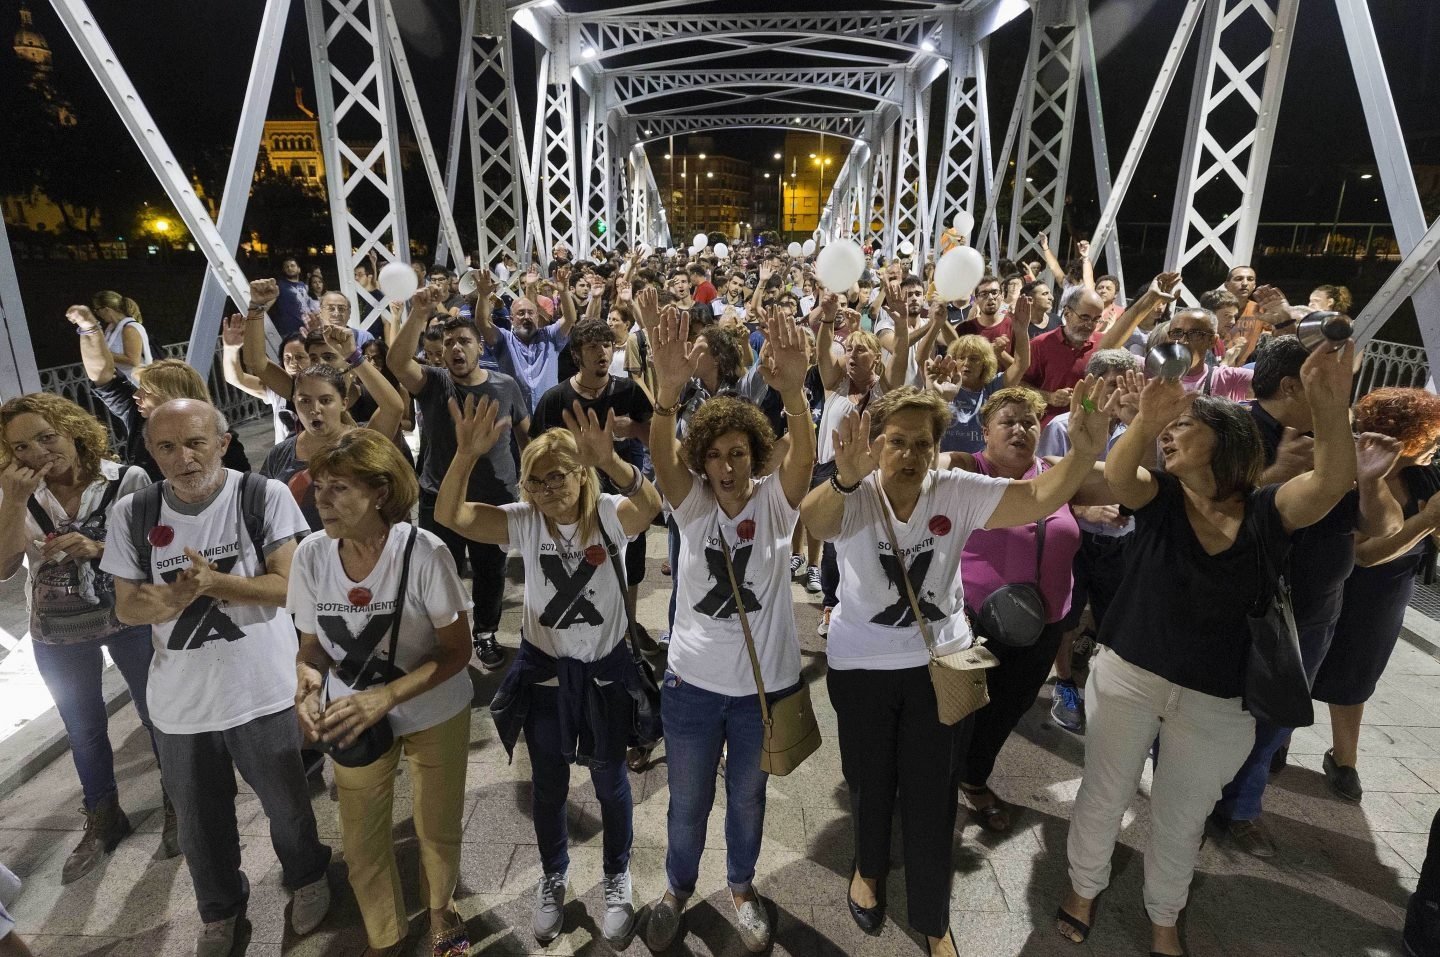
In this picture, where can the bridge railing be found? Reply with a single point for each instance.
(1384, 364)
(71, 382)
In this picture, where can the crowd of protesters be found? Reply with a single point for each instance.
(1013, 476)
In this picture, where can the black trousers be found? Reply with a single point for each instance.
(1428, 887)
(892, 743)
(487, 568)
(1013, 687)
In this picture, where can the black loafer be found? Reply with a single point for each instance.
(867, 919)
(1343, 780)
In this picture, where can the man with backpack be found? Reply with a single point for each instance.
(204, 558)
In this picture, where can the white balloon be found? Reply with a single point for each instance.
(808, 247)
(670, 253)
(700, 241)
(645, 250)
(840, 265)
(958, 272)
(964, 222)
(722, 250)
(793, 249)
(695, 250)
(398, 281)
(907, 248)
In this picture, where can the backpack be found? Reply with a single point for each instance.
(71, 602)
(146, 515)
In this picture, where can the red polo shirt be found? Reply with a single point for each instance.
(972, 327)
(706, 292)
(1055, 364)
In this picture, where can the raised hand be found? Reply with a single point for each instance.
(83, 318)
(942, 370)
(1162, 401)
(232, 330)
(830, 307)
(788, 357)
(1124, 400)
(1293, 456)
(1164, 284)
(264, 292)
(855, 454)
(672, 353)
(1024, 310)
(1273, 308)
(1089, 422)
(1375, 456)
(477, 427)
(1328, 376)
(623, 291)
(1082, 248)
(593, 439)
(647, 310)
(341, 337)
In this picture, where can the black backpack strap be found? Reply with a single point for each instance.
(252, 512)
(42, 518)
(144, 516)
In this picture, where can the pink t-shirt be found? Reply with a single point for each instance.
(1000, 556)
(1228, 382)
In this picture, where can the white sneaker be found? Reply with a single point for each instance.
(549, 914)
(309, 905)
(823, 629)
(797, 562)
(812, 581)
(619, 908)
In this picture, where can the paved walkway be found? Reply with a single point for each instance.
(1338, 887)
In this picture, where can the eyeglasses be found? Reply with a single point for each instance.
(987, 293)
(1191, 335)
(553, 482)
(1082, 317)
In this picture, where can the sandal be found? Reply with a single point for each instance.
(1073, 928)
(452, 941)
(993, 816)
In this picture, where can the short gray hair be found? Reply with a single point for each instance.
(222, 424)
(1112, 360)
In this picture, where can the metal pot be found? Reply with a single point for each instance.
(1169, 360)
(1322, 328)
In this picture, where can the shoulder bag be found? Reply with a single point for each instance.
(961, 687)
(1276, 687)
(648, 728)
(791, 731)
(379, 738)
(1014, 614)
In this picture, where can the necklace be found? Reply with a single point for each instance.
(586, 392)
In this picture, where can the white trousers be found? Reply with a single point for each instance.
(1203, 742)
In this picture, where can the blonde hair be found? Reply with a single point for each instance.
(560, 443)
(369, 457)
(904, 399)
(980, 347)
(92, 442)
(860, 337)
(1015, 395)
(168, 379)
(110, 299)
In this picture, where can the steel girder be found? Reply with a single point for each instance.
(877, 199)
(596, 180)
(631, 88)
(495, 142)
(994, 182)
(644, 129)
(910, 213)
(1090, 76)
(1038, 198)
(18, 371)
(1416, 276)
(956, 184)
(550, 180)
(609, 36)
(1212, 153)
(238, 179)
(106, 66)
(366, 105)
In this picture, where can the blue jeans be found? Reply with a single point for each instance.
(550, 775)
(72, 675)
(704, 724)
(1243, 797)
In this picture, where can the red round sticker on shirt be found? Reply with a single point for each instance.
(940, 525)
(595, 555)
(161, 535)
(745, 531)
(359, 597)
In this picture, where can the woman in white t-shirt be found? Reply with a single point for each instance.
(385, 636)
(125, 334)
(891, 738)
(572, 687)
(56, 489)
(726, 517)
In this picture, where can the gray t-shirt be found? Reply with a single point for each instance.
(495, 475)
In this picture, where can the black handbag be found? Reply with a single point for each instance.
(1014, 614)
(1276, 687)
(649, 728)
(379, 738)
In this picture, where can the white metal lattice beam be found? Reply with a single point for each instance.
(1043, 164)
(496, 141)
(630, 88)
(910, 193)
(609, 36)
(18, 372)
(1236, 165)
(457, 133)
(956, 181)
(646, 129)
(367, 159)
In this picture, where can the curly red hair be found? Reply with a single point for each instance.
(1410, 415)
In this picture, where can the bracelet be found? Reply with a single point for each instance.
(798, 415)
(87, 332)
(634, 485)
(668, 411)
(356, 358)
(844, 489)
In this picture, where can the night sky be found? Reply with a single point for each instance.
(190, 61)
